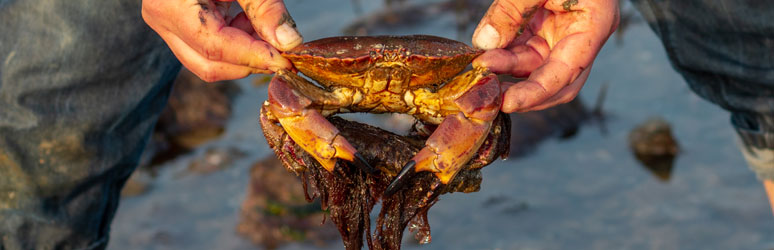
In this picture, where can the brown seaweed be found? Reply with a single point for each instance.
(349, 194)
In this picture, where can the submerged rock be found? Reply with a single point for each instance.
(196, 112)
(654, 146)
(215, 159)
(275, 211)
(138, 183)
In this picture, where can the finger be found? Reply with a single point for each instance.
(565, 95)
(210, 37)
(580, 38)
(241, 22)
(601, 12)
(518, 61)
(598, 18)
(273, 23)
(502, 22)
(207, 70)
(542, 84)
(505, 85)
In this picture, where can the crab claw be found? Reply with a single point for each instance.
(308, 128)
(402, 179)
(363, 164)
(459, 136)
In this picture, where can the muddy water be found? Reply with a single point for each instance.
(587, 192)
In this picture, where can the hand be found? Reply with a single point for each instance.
(215, 46)
(558, 43)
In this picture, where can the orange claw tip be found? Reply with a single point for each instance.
(445, 177)
(327, 164)
(401, 179)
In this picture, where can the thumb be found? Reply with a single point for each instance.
(272, 22)
(502, 22)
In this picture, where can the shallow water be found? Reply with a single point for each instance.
(587, 192)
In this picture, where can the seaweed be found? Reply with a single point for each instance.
(350, 194)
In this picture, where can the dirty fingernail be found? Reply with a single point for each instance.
(287, 36)
(487, 38)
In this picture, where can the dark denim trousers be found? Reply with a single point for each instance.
(725, 51)
(82, 83)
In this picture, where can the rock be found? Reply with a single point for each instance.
(215, 159)
(196, 112)
(276, 212)
(139, 183)
(654, 147)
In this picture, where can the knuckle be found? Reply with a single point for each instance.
(505, 9)
(211, 52)
(210, 46)
(208, 74)
(149, 10)
(263, 7)
(273, 6)
(539, 46)
(505, 5)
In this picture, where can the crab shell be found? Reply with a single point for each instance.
(417, 75)
(345, 61)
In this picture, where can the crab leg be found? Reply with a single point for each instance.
(306, 126)
(460, 134)
(325, 101)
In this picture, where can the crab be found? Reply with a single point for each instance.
(417, 75)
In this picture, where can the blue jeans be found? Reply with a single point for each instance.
(82, 83)
(725, 51)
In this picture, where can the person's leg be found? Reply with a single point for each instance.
(769, 186)
(81, 86)
(757, 136)
(723, 50)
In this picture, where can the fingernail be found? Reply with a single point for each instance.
(487, 38)
(287, 36)
(512, 99)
